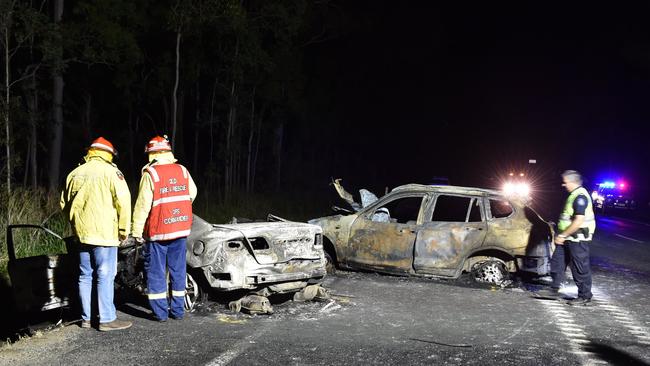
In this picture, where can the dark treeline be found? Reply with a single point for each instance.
(223, 79)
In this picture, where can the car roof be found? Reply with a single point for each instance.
(449, 189)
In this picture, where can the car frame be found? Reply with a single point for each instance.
(490, 248)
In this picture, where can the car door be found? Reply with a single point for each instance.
(455, 226)
(382, 237)
(46, 281)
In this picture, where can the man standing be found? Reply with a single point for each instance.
(163, 216)
(98, 204)
(576, 228)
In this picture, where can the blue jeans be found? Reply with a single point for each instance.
(103, 262)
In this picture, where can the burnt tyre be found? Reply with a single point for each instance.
(330, 265)
(490, 271)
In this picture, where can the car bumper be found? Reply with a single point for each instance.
(234, 278)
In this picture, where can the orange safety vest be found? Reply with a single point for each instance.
(171, 210)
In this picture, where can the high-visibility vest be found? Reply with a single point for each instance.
(588, 226)
(171, 210)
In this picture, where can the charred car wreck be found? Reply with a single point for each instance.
(282, 256)
(275, 256)
(439, 231)
(262, 258)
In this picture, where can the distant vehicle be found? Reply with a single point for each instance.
(614, 195)
(439, 231)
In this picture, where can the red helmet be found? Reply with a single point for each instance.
(158, 143)
(101, 143)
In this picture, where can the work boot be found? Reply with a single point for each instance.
(552, 293)
(115, 325)
(579, 301)
(85, 324)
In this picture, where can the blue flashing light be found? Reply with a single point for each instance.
(607, 185)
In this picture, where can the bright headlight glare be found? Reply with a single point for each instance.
(518, 189)
(523, 189)
(509, 188)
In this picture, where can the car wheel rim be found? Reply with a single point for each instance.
(191, 292)
(490, 272)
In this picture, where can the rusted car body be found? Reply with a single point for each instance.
(283, 256)
(439, 231)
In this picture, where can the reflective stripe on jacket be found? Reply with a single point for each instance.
(588, 226)
(171, 209)
(97, 201)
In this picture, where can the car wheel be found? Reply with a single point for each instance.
(330, 265)
(193, 293)
(490, 271)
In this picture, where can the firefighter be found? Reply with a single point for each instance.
(97, 201)
(163, 217)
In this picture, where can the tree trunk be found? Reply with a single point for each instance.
(174, 101)
(232, 116)
(197, 128)
(279, 136)
(251, 134)
(212, 126)
(86, 119)
(131, 144)
(7, 103)
(57, 125)
(32, 110)
(257, 144)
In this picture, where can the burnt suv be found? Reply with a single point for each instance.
(439, 231)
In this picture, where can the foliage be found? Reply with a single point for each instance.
(26, 206)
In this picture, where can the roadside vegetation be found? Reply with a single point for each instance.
(31, 206)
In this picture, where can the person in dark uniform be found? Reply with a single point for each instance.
(576, 228)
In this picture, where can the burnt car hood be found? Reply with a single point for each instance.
(267, 242)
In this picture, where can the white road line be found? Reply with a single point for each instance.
(623, 317)
(628, 238)
(574, 333)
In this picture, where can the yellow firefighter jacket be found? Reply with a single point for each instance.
(145, 192)
(97, 201)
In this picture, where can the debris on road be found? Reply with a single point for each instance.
(461, 345)
(312, 292)
(230, 319)
(252, 304)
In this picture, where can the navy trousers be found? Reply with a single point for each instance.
(160, 257)
(575, 253)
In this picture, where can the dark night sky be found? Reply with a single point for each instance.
(468, 92)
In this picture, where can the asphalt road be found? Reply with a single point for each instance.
(376, 319)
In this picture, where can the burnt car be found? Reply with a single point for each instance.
(268, 257)
(439, 231)
(282, 256)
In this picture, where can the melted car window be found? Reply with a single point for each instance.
(403, 211)
(475, 211)
(500, 208)
(451, 208)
